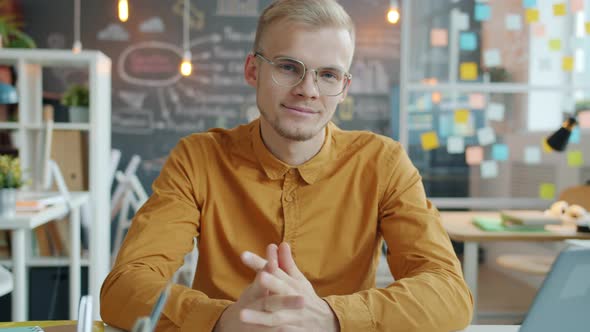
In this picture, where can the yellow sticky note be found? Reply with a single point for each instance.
(555, 44)
(559, 9)
(588, 27)
(468, 71)
(429, 141)
(575, 159)
(462, 116)
(567, 63)
(546, 147)
(547, 191)
(532, 15)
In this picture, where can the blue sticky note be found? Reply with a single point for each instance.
(468, 41)
(575, 136)
(500, 152)
(529, 3)
(482, 12)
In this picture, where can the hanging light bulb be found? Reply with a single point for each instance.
(393, 14)
(186, 67)
(77, 47)
(123, 10)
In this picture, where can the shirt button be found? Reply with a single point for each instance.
(288, 198)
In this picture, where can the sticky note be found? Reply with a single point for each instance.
(436, 97)
(545, 64)
(486, 136)
(559, 9)
(532, 155)
(529, 3)
(468, 41)
(538, 29)
(439, 37)
(584, 119)
(532, 15)
(492, 58)
(513, 22)
(489, 169)
(567, 63)
(455, 144)
(546, 147)
(495, 112)
(575, 158)
(575, 136)
(474, 155)
(482, 12)
(555, 44)
(462, 21)
(587, 24)
(468, 71)
(477, 101)
(500, 152)
(429, 141)
(445, 125)
(547, 191)
(462, 116)
(577, 5)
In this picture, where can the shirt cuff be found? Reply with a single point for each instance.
(204, 316)
(352, 312)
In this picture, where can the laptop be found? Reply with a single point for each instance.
(563, 301)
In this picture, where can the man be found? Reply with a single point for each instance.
(292, 177)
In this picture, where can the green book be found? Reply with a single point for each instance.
(21, 329)
(495, 225)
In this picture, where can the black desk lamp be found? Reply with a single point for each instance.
(559, 139)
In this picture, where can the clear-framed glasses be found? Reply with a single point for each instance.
(289, 72)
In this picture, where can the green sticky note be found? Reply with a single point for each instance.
(575, 159)
(547, 191)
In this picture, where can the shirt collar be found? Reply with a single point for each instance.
(275, 169)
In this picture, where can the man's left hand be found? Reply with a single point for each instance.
(317, 315)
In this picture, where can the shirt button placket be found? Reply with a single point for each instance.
(289, 205)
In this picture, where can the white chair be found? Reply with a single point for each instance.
(6, 283)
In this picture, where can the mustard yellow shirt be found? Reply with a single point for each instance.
(225, 188)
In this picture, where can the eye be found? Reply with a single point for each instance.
(288, 67)
(330, 75)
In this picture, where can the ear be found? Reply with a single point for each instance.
(251, 70)
(345, 92)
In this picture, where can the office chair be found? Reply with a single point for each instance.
(541, 264)
(6, 283)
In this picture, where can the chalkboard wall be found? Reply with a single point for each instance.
(153, 106)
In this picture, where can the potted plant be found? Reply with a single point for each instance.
(76, 98)
(10, 181)
(10, 32)
(582, 105)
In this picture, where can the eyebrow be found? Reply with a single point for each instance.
(322, 67)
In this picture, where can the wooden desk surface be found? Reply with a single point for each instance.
(459, 227)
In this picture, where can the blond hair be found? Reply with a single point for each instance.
(313, 13)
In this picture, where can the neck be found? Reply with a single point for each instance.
(289, 151)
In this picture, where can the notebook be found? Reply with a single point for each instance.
(496, 225)
(562, 302)
(21, 329)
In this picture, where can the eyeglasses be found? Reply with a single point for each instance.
(289, 72)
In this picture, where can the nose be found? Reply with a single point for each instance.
(308, 86)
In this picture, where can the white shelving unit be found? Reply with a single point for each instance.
(29, 65)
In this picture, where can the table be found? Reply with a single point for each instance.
(26, 221)
(459, 227)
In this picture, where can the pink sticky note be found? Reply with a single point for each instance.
(584, 119)
(439, 37)
(474, 155)
(577, 5)
(538, 29)
(477, 101)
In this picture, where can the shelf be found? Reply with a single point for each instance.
(45, 262)
(9, 125)
(60, 126)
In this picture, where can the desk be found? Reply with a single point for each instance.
(26, 221)
(459, 227)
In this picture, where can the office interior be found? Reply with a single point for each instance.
(472, 89)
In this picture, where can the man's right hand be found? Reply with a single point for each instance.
(266, 293)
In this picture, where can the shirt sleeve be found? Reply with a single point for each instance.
(429, 293)
(160, 235)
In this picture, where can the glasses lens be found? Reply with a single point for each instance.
(330, 81)
(287, 72)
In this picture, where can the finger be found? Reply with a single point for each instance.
(274, 284)
(274, 303)
(272, 257)
(287, 263)
(270, 319)
(253, 261)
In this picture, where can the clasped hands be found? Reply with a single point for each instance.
(279, 299)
